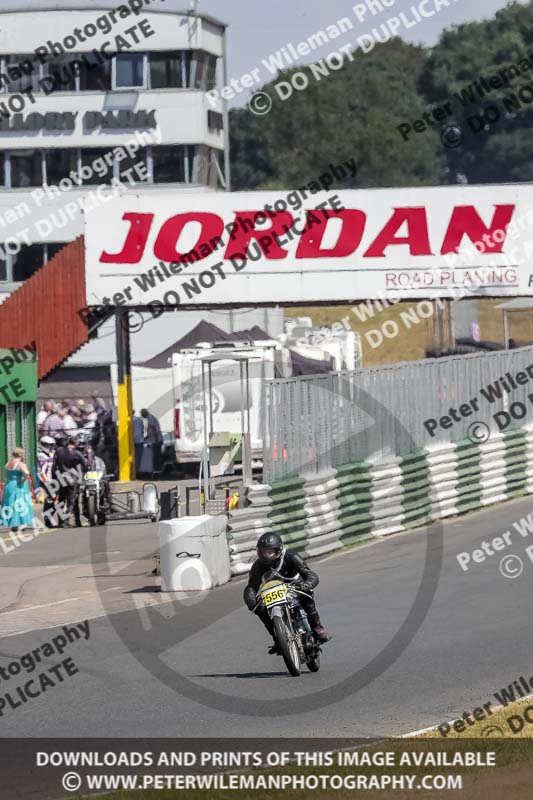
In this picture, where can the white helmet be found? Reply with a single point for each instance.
(47, 441)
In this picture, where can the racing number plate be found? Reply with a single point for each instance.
(274, 595)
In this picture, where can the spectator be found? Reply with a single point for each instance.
(90, 417)
(105, 442)
(99, 404)
(151, 428)
(70, 425)
(77, 416)
(153, 438)
(110, 451)
(54, 424)
(45, 411)
(138, 441)
(17, 506)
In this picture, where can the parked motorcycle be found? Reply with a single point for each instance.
(95, 493)
(294, 636)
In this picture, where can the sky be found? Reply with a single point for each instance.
(256, 28)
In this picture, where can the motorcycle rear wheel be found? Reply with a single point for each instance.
(290, 654)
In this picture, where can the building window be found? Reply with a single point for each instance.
(168, 164)
(59, 164)
(101, 168)
(22, 72)
(51, 248)
(211, 72)
(186, 67)
(20, 267)
(208, 166)
(129, 70)
(95, 77)
(26, 168)
(202, 162)
(28, 261)
(165, 70)
(61, 74)
(139, 160)
(199, 70)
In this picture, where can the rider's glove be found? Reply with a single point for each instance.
(304, 587)
(250, 598)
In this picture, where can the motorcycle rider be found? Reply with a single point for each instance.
(69, 466)
(272, 554)
(45, 459)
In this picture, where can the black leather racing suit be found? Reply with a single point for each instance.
(292, 566)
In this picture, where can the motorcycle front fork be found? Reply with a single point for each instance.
(301, 624)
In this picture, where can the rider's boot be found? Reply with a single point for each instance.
(320, 632)
(274, 649)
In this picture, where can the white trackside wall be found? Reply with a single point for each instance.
(451, 241)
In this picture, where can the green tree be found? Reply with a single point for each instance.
(494, 149)
(250, 160)
(352, 113)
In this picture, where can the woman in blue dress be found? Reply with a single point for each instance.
(16, 506)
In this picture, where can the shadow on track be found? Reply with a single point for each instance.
(241, 675)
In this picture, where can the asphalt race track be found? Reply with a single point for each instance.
(474, 639)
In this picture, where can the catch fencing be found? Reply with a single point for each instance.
(312, 424)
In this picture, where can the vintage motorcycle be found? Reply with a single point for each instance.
(95, 493)
(293, 633)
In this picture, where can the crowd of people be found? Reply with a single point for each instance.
(72, 435)
(63, 420)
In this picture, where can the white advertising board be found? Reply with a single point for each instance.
(184, 249)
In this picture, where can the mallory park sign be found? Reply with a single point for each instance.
(303, 247)
(92, 120)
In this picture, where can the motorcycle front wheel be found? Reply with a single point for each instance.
(92, 514)
(289, 650)
(313, 665)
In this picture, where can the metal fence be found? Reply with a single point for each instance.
(312, 423)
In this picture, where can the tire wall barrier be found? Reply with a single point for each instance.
(322, 513)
